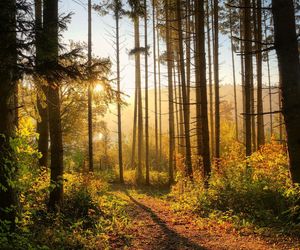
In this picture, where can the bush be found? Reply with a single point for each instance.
(259, 193)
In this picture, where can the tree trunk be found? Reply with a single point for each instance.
(90, 89)
(170, 96)
(51, 55)
(155, 83)
(289, 68)
(216, 76)
(188, 158)
(146, 97)
(201, 65)
(248, 73)
(120, 154)
(8, 77)
(234, 79)
(42, 124)
(139, 176)
(260, 109)
(211, 110)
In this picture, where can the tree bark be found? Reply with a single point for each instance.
(51, 56)
(90, 90)
(42, 124)
(289, 68)
(188, 158)
(201, 70)
(8, 77)
(216, 77)
(170, 96)
(146, 97)
(248, 73)
(120, 154)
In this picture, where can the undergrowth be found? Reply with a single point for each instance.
(256, 193)
(91, 218)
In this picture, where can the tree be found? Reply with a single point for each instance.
(188, 158)
(258, 41)
(90, 89)
(289, 69)
(216, 78)
(248, 72)
(53, 99)
(117, 10)
(146, 96)
(8, 77)
(42, 124)
(170, 63)
(201, 70)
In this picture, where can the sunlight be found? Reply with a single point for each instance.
(98, 88)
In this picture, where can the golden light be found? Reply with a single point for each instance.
(98, 88)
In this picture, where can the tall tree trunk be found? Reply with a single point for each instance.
(188, 158)
(248, 73)
(8, 77)
(120, 154)
(260, 109)
(177, 104)
(159, 101)
(139, 98)
(42, 124)
(201, 65)
(51, 55)
(216, 77)
(252, 109)
(170, 95)
(211, 108)
(289, 68)
(155, 82)
(90, 89)
(146, 97)
(134, 129)
(234, 79)
(180, 109)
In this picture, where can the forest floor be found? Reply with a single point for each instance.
(156, 226)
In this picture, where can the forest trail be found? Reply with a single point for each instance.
(155, 226)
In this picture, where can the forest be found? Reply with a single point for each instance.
(138, 124)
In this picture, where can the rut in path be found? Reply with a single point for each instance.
(157, 227)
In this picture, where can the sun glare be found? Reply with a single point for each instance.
(98, 88)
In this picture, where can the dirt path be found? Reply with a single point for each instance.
(156, 226)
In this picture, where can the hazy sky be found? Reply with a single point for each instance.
(103, 42)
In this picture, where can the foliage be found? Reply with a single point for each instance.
(91, 217)
(258, 193)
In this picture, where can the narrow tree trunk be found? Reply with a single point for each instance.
(289, 68)
(258, 40)
(42, 124)
(180, 110)
(134, 128)
(211, 109)
(139, 98)
(248, 73)
(170, 96)
(216, 76)
(234, 79)
(159, 101)
(90, 90)
(188, 158)
(8, 200)
(155, 82)
(51, 55)
(120, 154)
(201, 65)
(146, 97)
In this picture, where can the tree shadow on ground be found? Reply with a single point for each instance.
(171, 239)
